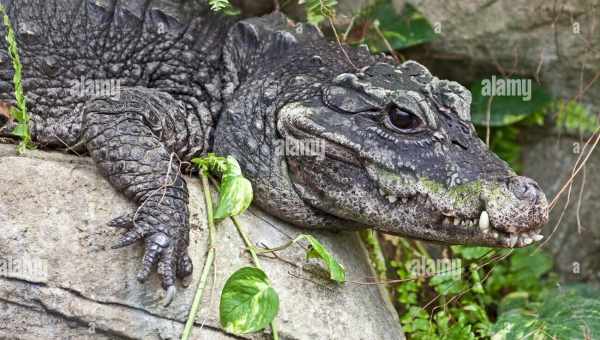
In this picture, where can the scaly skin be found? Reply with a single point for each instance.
(399, 152)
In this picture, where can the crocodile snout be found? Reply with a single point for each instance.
(526, 189)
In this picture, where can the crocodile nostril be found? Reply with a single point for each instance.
(525, 188)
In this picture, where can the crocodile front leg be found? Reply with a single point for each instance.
(136, 141)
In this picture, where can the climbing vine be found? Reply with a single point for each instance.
(248, 302)
(18, 112)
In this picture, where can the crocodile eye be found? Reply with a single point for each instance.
(401, 119)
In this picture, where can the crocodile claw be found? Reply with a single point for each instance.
(124, 221)
(169, 296)
(165, 238)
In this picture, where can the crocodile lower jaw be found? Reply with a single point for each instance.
(512, 239)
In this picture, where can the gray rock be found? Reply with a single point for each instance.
(574, 245)
(555, 42)
(69, 283)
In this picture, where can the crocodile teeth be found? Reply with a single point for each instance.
(537, 237)
(484, 221)
(526, 240)
(392, 198)
(512, 240)
(446, 220)
(456, 221)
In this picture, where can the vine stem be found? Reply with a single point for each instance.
(208, 262)
(251, 250)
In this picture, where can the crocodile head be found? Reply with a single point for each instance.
(372, 144)
(401, 155)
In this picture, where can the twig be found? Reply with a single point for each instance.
(387, 43)
(577, 169)
(488, 117)
(337, 38)
(208, 262)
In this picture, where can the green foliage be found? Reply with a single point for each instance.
(316, 250)
(318, 10)
(376, 255)
(402, 30)
(505, 109)
(559, 314)
(465, 307)
(18, 113)
(575, 118)
(235, 190)
(336, 270)
(219, 5)
(504, 142)
(236, 196)
(248, 301)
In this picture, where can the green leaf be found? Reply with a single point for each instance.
(471, 253)
(528, 266)
(561, 315)
(446, 284)
(211, 163)
(575, 118)
(235, 196)
(231, 167)
(21, 130)
(235, 190)
(318, 10)
(505, 109)
(248, 302)
(16, 114)
(402, 30)
(514, 300)
(476, 279)
(336, 270)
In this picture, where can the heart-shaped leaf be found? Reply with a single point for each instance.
(248, 301)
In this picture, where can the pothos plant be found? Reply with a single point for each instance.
(248, 301)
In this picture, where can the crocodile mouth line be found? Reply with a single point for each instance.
(446, 220)
(449, 220)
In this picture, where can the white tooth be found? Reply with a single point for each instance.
(446, 220)
(484, 221)
(512, 240)
(526, 240)
(537, 237)
(495, 234)
(456, 221)
(404, 200)
(381, 192)
(392, 198)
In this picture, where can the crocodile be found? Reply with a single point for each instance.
(330, 136)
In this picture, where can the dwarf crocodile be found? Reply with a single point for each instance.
(144, 86)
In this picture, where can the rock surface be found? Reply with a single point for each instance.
(555, 42)
(575, 238)
(53, 210)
